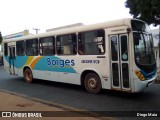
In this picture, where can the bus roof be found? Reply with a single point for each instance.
(103, 25)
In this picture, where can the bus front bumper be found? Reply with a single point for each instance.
(141, 85)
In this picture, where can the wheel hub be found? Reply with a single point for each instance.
(92, 83)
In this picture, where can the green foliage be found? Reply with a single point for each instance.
(1, 38)
(147, 10)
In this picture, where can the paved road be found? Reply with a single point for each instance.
(75, 96)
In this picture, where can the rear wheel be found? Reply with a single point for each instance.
(92, 83)
(28, 75)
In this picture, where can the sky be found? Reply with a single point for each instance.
(18, 15)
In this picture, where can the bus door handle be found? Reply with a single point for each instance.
(101, 56)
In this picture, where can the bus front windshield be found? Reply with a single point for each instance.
(143, 44)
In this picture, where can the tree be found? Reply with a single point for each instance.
(1, 38)
(147, 10)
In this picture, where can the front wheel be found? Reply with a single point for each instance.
(92, 83)
(28, 75)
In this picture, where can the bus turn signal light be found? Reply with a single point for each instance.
(139, 75)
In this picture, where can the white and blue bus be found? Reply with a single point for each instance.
(116, 55)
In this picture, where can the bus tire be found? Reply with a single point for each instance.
(92, 83)
(28, 76)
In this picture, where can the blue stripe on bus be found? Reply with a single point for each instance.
(149, 75)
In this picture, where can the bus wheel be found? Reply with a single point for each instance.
(28, 75)
(92, 83)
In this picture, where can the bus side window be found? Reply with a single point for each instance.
(67, 44)
(20, 45)
(47, 46)
(32, 47)
(91, 42)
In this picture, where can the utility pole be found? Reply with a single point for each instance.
(36, 29)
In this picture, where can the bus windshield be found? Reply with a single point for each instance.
(143, 43)
(143, 46)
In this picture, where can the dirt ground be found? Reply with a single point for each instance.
(12, 102)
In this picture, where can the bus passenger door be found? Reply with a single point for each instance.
(120, 62)
(12, 58)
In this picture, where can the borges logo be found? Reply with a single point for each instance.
(59, 62)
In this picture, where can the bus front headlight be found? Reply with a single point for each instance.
(139, 75)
